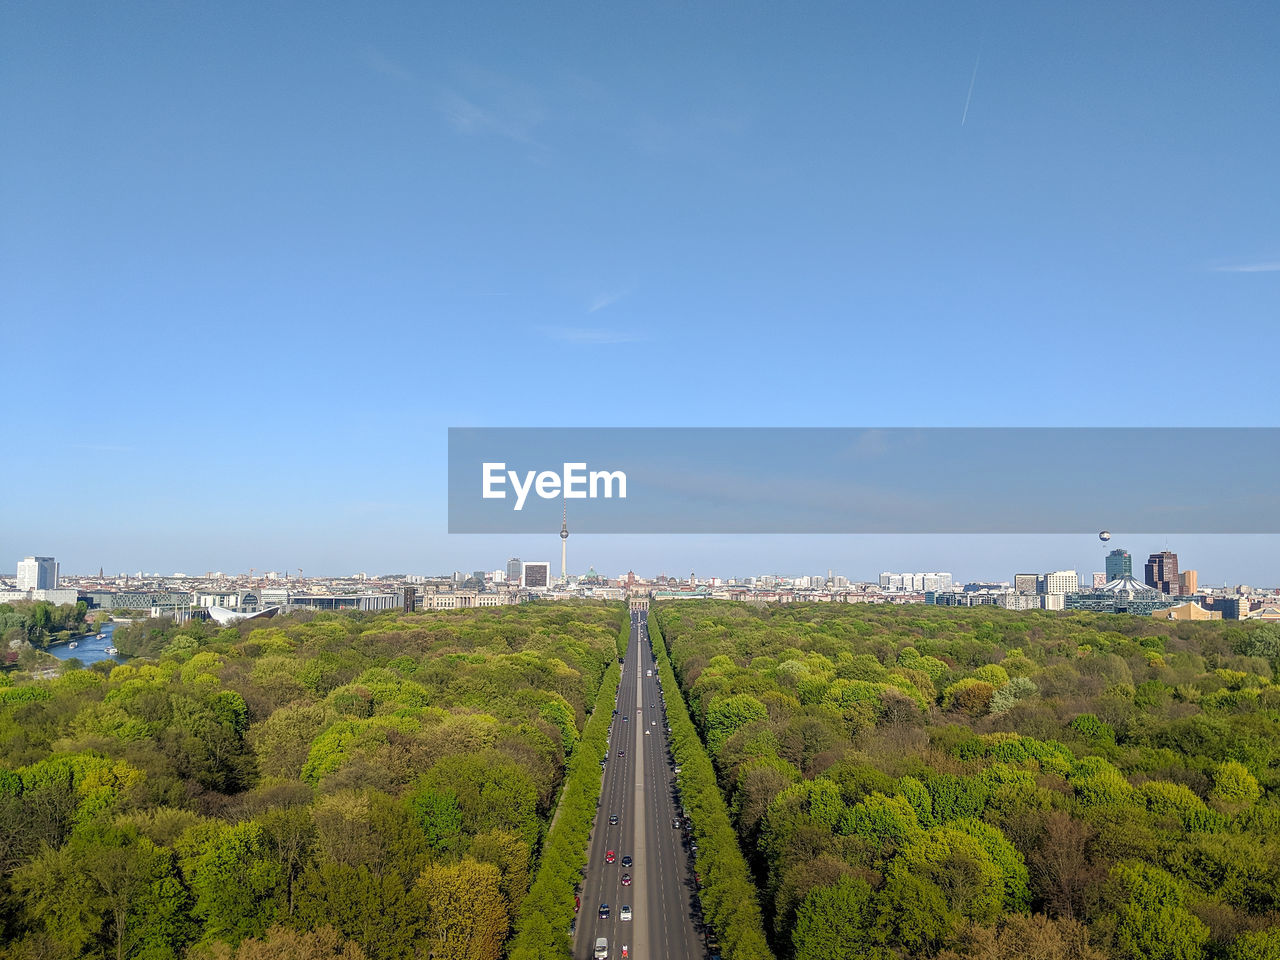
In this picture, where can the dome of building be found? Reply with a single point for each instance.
(1131, 588)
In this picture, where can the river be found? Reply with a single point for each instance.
(88, 649)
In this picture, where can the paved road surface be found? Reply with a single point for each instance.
(640, 789)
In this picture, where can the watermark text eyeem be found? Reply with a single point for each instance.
(576, 482)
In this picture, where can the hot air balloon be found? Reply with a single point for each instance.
(1104, 536)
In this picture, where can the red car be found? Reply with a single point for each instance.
(577, 903)
(610, 856)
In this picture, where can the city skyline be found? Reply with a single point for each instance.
(784, 558)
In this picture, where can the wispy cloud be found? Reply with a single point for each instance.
(1263, 266)
(607, 300)
(482, 102)
(379, 62)
(590, 335)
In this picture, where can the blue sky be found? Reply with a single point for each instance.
(255, 259)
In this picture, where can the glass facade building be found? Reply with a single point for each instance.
(1119, 565)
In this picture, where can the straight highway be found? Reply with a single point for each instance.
(639, 790)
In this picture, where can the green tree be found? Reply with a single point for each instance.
(232, 874)
(959, 866)
(838, 921)
(1256, 945)
(1234, 785)
(467, 916)
(1153, 922)
(439, 815)
(109, 887)
(727, 714)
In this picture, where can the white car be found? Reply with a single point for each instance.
(624, 913)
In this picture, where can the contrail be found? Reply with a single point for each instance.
(972, 80)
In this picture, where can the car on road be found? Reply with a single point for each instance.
(604, 911)
(675, 823)
(624, 719)
(627, 861)
(646, 733)
(602, 949)
(626, 879)
(625, 912)
(610, 856)
(613, 820)
(622, 753)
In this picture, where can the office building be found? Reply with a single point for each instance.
(410, 594)
(1099, 580)
(1062, 581)
(38, 573)
(1026, 583)
(1189, 582)
(1162, 572)
(514, 569)
(1119, 565)
(536, 575)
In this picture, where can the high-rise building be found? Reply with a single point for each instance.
(514, 568)
(37, 573)
(1026, 583)
(410, 598)
(536, 575)
(1099, 580)
(1062, 581)
(1119, 564)
(1162, 572)
(1189, 582)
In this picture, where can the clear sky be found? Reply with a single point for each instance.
(256, 258)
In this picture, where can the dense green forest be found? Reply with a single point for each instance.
(39, 623)
(353, 786)
(918, 782)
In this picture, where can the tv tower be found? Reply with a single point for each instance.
(564, 541)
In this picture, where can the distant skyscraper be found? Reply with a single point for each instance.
(1026, 582)
(536, 575)
(1119, 564)
(1162, 572)
(1062, 581)
(37, 573)
(1189, 581)
(514, 568)
(410, 598)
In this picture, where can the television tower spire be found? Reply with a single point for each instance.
(564, 540)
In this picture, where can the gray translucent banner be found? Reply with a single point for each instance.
(865, 480)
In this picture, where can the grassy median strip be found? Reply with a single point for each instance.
(729, 900)
(542, 926)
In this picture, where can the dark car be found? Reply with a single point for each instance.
(626, 879)
(604, 911)
(613, 820)
(626, 861)
(622, 753)
(675, 823)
